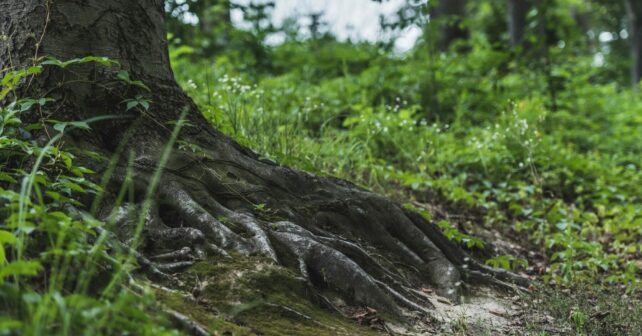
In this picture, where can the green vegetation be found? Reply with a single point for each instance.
(566, 180)
(540, 149)
(60, 273)
(583, 310)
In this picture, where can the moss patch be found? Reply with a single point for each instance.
(252, 295)
(211, 320)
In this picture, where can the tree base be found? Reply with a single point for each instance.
(343, 241)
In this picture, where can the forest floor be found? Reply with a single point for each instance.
(253, 296)
(585, 309)
(543, 310)
(544, 192)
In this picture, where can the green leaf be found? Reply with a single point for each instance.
(31, 298)
(7, 324)
(100, 60)
(80, 124)
(7, 178)
(20, 268)
(124, 76)
(140, 85)
(34, 70)
(52, 61)
(60, 127)
(7, 237)
(131, 104)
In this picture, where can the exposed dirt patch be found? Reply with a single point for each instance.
(486, 313)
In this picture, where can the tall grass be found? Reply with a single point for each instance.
(61, 272)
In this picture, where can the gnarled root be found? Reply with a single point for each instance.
(361, 246)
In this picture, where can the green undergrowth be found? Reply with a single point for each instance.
(583, 310)
(61, 273)
(250, 295)
(476, 135)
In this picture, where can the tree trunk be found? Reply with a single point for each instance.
(214, 12)
(517, 11)
(450, 14)
(313, 223)
(634, 13)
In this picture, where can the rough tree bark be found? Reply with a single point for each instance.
(327, 228)
(634, 14)
(517, 11)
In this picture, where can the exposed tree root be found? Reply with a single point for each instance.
(181, 321)
(341, 238)
(187, 324)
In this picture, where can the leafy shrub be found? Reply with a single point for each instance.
(59, 272)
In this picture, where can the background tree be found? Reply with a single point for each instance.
(634, 15)
(517, 21)
(213, 26)
(450, 15)
(205, 29)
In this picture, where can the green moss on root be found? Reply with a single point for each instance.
(252, 295)
(209, 319)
